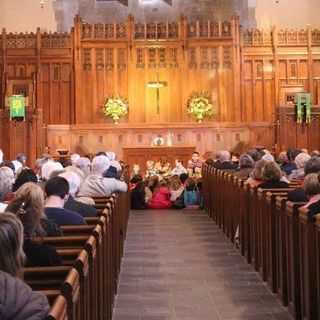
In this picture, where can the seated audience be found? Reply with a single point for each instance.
(160, 197)
(255, 178)
(28, 207)
(138, 195)
(17, 300)
(311, 187)
(50, 167)
(290, 165)
(32, 196)
(300, 161)
(57, 192)
(191, 194)
(6, 183)
(95, 185)
(224, 161)
(271, 176)
(178, 169)
(25, 175)
(20, 162)
(72, 204)
(298, 194)
(246, 165)
(84, 164)
(8, 164)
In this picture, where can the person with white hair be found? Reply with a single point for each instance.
(48, 168)
(224, 161)
(84, 164)
(1, 156)
(300, 161)
(95, 185)
(74, 158)
(113, 160)
(72, 204)
(6, 182)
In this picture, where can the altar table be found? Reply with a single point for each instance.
(140, 155)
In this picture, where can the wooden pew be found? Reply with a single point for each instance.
(282, 244)
(308, 269)
(59, 309)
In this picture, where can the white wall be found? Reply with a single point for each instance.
(27, 15)
(287, 13)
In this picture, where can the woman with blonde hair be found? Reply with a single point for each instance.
(17, 300)
(28, 206)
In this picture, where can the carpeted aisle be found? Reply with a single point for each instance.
(178, 265)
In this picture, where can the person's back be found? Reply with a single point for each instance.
(57, 191)
(160, 198)
(138, 197)
(191, 194)
(97, 186)
(83, 209)
(17, 300)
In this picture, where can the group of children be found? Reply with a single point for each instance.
(154, 192)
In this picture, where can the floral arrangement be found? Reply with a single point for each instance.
(115, 108)
(200, 106)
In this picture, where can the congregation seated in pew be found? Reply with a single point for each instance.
(28, 207)
(17, 300)
(57, 192)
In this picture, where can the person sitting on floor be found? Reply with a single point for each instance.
(95, 185)
(17, 300)
(57, 192)
(72, 204)
(271, 176)
(191, 195)
(160, 197)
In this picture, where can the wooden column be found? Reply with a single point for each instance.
(310, 62)
(77, 65)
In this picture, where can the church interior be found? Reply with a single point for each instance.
(159, 159)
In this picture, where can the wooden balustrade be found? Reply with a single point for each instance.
(276, 236)
(84, 287)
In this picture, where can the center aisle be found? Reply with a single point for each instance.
(179, 265)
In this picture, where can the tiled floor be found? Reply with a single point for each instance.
(178, 265)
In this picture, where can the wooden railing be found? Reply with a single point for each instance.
(84, 287)
(276, 237)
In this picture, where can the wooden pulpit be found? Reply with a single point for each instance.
(290, 134)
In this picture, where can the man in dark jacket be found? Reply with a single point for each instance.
(19, 302)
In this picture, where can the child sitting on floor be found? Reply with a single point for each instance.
(191, 195)
(160, 197)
